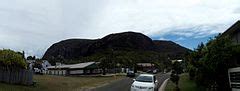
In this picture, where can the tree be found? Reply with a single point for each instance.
(177, 67)
(31, 58)
(174, 77)
(105, 63)
(176, 70)
(12, 60)
(212, 61)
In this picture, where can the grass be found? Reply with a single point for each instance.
(184, 84)
(60, 83)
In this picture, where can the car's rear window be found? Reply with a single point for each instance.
(144, 79)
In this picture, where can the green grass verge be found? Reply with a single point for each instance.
(184, 84)
(60, 83)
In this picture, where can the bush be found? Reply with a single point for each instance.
(11, 59)
(192, 73)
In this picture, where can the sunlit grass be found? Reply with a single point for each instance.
(184, 84)
(60, 83)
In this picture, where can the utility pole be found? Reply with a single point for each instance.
(23, 54)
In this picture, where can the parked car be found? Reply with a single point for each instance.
(149, 71)
(145, 82)
(130, 74)
(155, 71)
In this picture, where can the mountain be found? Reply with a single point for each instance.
(126, 41)
(170, 48)
(68, 49)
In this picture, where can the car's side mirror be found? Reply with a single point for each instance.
(156, 81)
(134, 79)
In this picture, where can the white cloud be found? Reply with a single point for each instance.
(162, 38)
(180, 39)
(33, 25)
(237, 10)
(198, 31)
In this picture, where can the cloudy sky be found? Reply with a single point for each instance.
(34, 25)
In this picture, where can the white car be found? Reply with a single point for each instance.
(145, 82)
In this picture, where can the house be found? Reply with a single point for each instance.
(145, 66)
(74, 69)
(233, 32)
(38, 66)
(234, 73)
(45, 64)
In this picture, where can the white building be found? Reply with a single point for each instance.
(75, 69)
(44, 64)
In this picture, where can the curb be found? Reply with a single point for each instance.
(162, 88)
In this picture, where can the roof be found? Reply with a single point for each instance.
(234, 28)
(82, 65)
(74, 66)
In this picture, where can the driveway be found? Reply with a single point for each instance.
(125, 84)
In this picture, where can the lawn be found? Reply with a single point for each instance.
(184, 84)
(60, 83)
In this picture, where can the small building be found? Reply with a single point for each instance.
(41, 68)
(74, 69)
(145, 66)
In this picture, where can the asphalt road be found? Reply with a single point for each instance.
(125, 84)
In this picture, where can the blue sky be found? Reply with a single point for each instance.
(191, 37)
(187, 42)
(34, 25)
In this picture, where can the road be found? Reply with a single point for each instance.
(125, 84)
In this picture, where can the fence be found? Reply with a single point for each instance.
(18, 76)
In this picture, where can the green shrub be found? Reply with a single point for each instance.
(11, 59)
